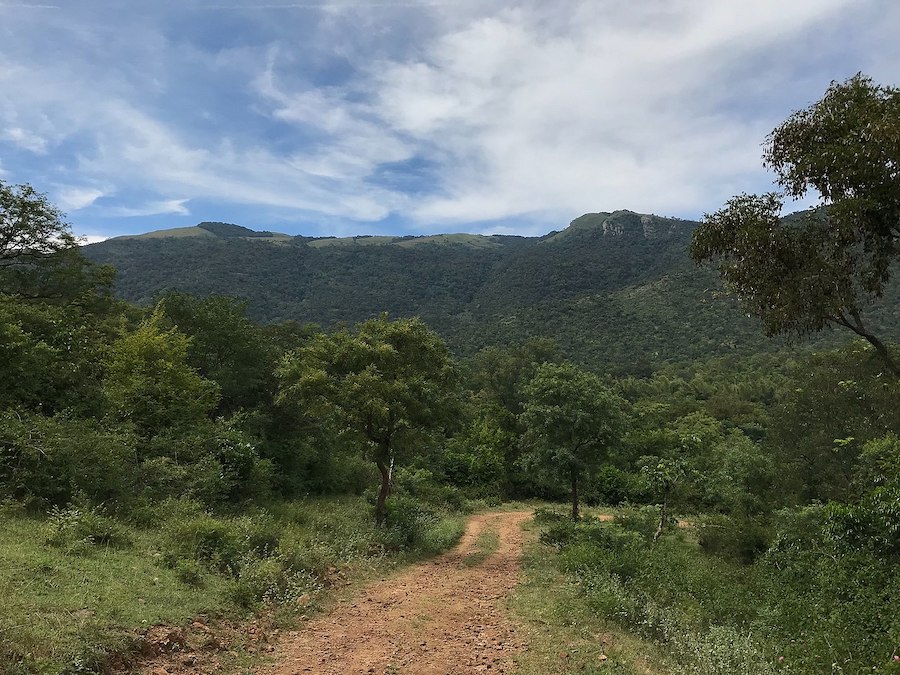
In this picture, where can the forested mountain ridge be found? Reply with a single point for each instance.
(615, 290)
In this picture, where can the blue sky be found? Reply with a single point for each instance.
(411, 117)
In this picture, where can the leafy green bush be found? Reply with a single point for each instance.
(47, 461)
(270, 580)
(741, 539)
(406, 521)
(641, 519)
(81, 527)
(423, 485)
(204, 538)
(614, 487)
(546, 514)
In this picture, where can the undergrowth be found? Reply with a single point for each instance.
(724, 608)
(79, 584)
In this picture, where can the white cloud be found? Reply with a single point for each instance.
(85, 239)
(73, 198)
(24, 139)
(515, 109)
(155, 208)
(614, 109)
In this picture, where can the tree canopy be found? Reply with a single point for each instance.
(802, 273)
(572, 420)
(390, 382)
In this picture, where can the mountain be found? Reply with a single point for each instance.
(616, 290)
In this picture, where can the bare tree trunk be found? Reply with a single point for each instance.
(383, 493)
(663, 514)
(575, 514)
(858, 327)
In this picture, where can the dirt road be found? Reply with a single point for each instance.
(444, 616)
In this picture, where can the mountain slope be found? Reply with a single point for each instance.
(616, 290)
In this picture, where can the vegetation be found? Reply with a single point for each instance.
(233, 468)
(802, 274)
(572, 420)
(616, 291)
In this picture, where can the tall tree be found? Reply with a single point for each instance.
(389, 382)
(226, 347)
(149, 383)
(803, 273)
(572, 421)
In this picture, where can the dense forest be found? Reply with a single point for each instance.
(176, 456)
(616, 291)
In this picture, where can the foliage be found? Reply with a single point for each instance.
(572, 419)
(391, 383)
(225, 347)
(99, 578)
(615, 291)
(800, 275)
(149, 383)
(804, 606)
(48, 461)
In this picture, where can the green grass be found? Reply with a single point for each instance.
(565, 635)
(62, 608)
(487, 542)
(173, 232)
(67, 605)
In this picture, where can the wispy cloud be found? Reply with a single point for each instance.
(25, 139)
(73, 198)
(329, 5)
(26, 5)
(157, 208)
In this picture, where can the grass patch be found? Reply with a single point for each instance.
(565, 635)
(79, 586)
(485, 544)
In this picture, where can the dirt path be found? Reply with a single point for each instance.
(444, 616)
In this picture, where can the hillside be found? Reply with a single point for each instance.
(616, 290)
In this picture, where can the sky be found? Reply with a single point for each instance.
(340, 117)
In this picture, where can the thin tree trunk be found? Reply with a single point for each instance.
(575, 513)
(858, 327)
(383, 493)
(663, 508)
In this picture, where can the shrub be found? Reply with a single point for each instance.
(643, 519)
(614, 487)
(740, 539)
(81, 527)
(47, 461)
(406, 521)
(204, 538)
(546, 514)
(422, 484)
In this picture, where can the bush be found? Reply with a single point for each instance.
(81, 527)
(422, 484)
(203, 538)
(614, 487)
(643, 519)
(47, 461)
(546, 514)
(406, 521)
(740, 539)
